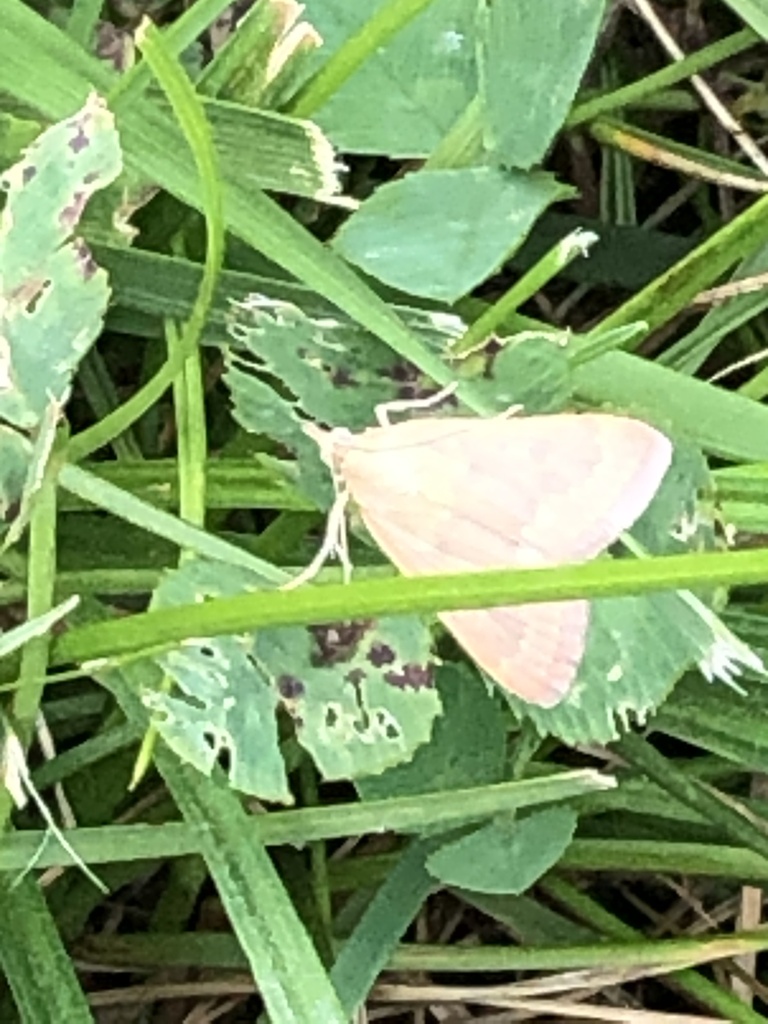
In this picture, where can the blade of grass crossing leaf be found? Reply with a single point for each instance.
(98, 386)
(125, 506)
(389, 18)
(191, 117)
(721, 422)
(297, 827)
(188, 386)
(12, 639)
(558, 257)
(371, 598)
(192, 449)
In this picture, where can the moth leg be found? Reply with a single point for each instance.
(383, 410)
(513, 410)
(334, 544)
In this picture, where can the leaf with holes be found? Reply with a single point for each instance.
(334, 371)
(225, 703)
(361, 694)
(52, 295)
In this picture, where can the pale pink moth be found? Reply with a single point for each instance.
(452, 494)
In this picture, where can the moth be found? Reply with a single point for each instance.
(451, 494)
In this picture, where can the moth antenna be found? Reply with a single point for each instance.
(404, 404)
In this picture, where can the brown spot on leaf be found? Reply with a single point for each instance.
(342, 378)
(337, 642)
(380, 654)
(88, 264)
(71, 214)
(411, 386)
(79, 140)
(290, 688)
(401, 372)
(412, 677)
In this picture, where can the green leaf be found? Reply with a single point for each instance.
(533, 54)
(531, 370)
(232, 709)
(637, 649)
(259, 409)
(439, 233)
(418, 83)
(338, 373)
(336, 370)
(15, 135)
(508, 855)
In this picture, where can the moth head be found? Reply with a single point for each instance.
(330, 442)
